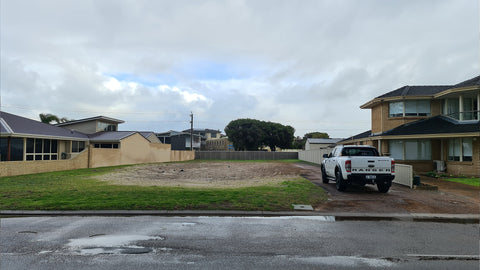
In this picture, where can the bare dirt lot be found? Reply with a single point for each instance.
(451, 198)
(204, 174)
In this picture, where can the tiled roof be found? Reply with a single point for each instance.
(435, 125)
(423, 90)
(16, 125)
(362, 135)
(471, 82)
(103, 118)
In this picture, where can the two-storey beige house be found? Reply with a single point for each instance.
(429, 127)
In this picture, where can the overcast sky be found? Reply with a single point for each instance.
(308, 64)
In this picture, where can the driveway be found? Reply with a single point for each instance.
(450, 198)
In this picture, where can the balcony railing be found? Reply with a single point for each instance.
(464, 116)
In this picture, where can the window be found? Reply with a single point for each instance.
(77, 146)
(409, 108)
(102, 126)
(41, 149)
(360, 151)
(396, 109)
(451, 108)
(106, 145)
(213, 135)
(410, 149)
(16, 149)
(460, 149)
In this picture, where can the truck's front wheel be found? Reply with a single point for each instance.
(324, 175)
(341, 184)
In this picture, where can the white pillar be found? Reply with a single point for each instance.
(478, 106)
(380, 147)
(460, 106)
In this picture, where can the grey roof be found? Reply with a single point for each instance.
(146, 134)
(435, 125)
(362, 135)
(14, 125)
(471, 82)
(323, 141)
(422, 90)
(103, 118)
(110, 136)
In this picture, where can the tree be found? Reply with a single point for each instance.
(49, 118)
(316, 134)
(245, 134)
(250, 134)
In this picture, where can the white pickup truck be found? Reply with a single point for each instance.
(358, 164)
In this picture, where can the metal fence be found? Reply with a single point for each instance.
(313, 156)
(245, 155)
(404, 175)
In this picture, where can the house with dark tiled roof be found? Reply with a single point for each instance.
(429, 127)
(29, 146)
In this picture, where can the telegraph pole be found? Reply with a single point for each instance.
(191, 131)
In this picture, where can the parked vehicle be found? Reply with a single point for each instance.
(360, 165)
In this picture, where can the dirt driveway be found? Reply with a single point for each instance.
(450, 198)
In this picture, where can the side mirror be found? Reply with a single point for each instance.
(325, 155)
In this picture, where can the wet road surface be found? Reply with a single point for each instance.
(147, 242)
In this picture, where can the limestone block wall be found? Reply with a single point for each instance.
(10, 168)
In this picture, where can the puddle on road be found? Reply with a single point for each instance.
(111, 244)
(347, 261)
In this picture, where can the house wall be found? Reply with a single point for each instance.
(382, 122)
(86, 127)
(418, 165)
(316, 146)
(11, 168)
(134, 149)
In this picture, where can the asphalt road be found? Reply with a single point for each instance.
(147, 242)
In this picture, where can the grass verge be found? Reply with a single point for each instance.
(78, 190)
(467, 181)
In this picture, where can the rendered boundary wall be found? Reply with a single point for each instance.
(181, 155)
(245, 155)
(11, 168)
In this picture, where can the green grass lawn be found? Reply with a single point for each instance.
(78, 190)
(467, 181)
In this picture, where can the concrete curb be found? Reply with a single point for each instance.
(341, 216)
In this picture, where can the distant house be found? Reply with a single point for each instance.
(92, 125)
(207, 134)
(320, 143)
(179, 141)
(29, 146)
(220, 144)
(428, 127)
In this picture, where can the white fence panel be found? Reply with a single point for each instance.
(404, 175)
(314, 156)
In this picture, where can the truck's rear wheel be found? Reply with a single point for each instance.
(341, 184)
(383, 187)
